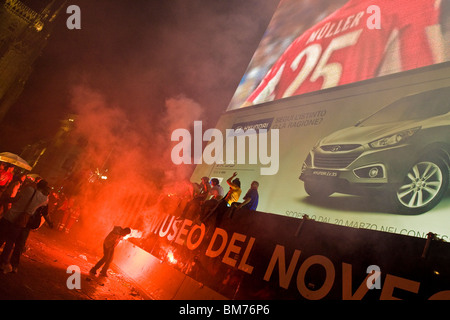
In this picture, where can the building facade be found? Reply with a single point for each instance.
(25, 27)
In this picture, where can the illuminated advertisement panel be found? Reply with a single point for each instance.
(373, 154)
(314, 45)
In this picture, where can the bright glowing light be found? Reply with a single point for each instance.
(38, 26)
(171, 258)
(133, 234)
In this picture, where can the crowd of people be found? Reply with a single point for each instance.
(25, 200)
(209, 199)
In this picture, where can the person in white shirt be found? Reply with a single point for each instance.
(16, 218)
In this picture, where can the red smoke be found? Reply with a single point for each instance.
(134, 160)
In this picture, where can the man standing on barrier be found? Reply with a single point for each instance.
(231, 197)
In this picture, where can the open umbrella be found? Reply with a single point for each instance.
(33, 176)
(15, 160)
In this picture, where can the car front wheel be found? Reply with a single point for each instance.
(423, 187)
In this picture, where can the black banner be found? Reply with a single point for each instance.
(259, 256)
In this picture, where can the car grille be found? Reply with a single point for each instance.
(334, 161)
(340, 147)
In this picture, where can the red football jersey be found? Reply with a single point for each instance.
(361, 40)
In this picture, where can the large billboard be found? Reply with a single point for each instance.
(314, 45)
(373, 154)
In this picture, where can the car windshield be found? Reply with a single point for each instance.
(420, 106)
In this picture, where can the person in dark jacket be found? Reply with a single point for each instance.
(109, 244)
(16, 219)
(251, 198)
(19, 244)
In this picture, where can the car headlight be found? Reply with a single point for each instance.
(393, 139)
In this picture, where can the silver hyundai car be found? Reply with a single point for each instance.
(402, 150)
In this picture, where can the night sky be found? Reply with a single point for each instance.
(136, 55)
